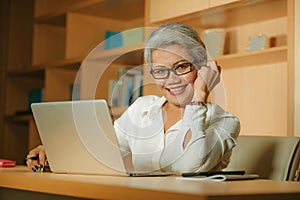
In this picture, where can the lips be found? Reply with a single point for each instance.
(177, 90)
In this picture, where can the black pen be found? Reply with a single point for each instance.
(32, 158)
(190, 174)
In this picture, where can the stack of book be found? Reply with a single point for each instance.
(115, 39)
(127, 88)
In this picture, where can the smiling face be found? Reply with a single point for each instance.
(178, 90)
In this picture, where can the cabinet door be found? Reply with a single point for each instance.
(162, 10)
(214, 3)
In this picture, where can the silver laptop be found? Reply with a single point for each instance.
(78, 137)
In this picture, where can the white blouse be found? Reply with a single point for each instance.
(140, 131)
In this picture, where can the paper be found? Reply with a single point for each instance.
(220, 177)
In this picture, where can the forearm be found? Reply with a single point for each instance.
(214, 133)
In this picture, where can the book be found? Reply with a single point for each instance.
(137, 83)
(128, 90)
(113, 39)
(133, 36)
(214, 40)
(125, 84)
(35, 96)
(112, 93)
(125, 90)
(137, 90)
(7, 163)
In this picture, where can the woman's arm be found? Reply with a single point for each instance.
(214, 133)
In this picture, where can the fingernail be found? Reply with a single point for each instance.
(34, 169)
(40, 168)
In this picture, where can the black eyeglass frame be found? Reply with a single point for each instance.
(191, 65)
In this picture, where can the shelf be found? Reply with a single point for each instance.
(36, 73)
(71, 63)
(57, 16)
(80, 35)
(39, 70)
(48, 43)
(19, 118)
(120, 10)
(270, 55)
(132, 54)
(229, 16)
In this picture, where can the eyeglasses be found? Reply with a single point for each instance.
(161, 72)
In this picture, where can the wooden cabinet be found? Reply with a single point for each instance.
(48, 41)
(259, 85)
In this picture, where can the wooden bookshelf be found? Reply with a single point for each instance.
(56, 38)
(49, 43)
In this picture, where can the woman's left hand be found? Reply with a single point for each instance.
(207, 78)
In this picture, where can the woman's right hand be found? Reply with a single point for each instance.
(207, 78)
(40, 162)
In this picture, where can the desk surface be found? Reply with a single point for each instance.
(114, 187)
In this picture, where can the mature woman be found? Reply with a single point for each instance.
(180, 131)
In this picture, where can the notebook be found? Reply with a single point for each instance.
(79, 138)
(7, 163)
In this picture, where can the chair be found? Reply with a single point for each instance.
(271, 157)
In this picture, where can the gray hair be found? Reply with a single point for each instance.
(176, 34)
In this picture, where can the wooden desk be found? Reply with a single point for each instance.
(20, 179)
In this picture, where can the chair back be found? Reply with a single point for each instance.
(271, 157)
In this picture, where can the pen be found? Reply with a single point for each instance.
(189, 174)
(33, 158)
